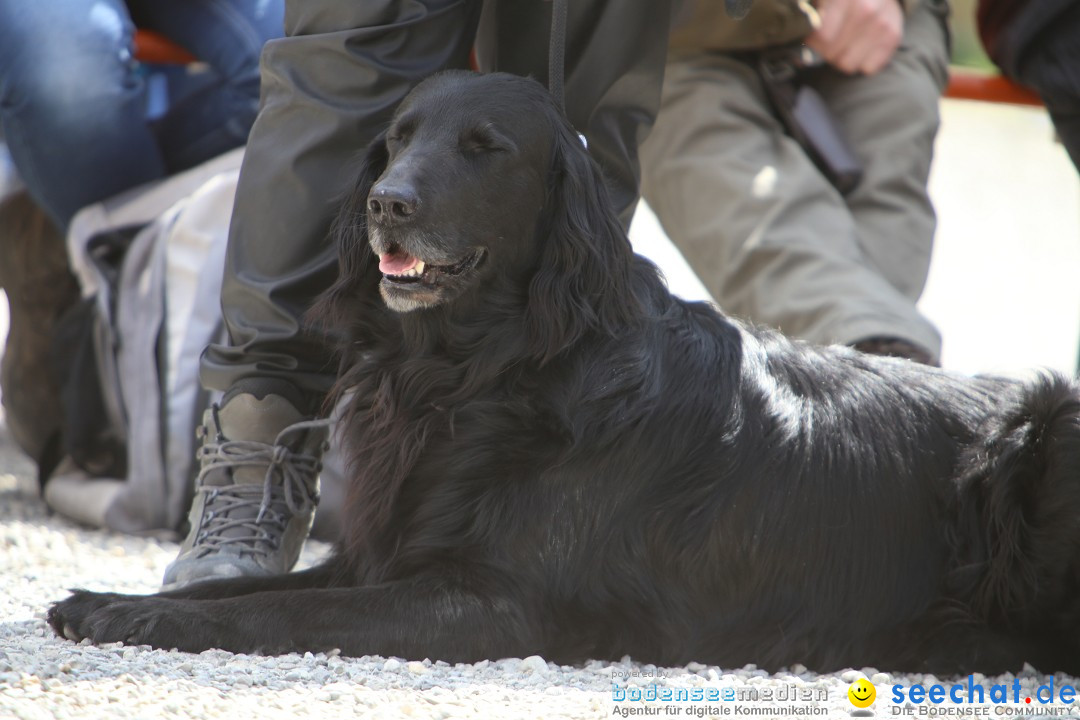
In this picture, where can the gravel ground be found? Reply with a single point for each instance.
(42, 676)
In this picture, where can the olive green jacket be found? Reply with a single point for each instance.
(703, 25)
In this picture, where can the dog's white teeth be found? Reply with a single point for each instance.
(415, 271)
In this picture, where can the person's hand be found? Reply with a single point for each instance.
(858, 35)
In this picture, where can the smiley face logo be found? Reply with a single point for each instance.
(862, 693)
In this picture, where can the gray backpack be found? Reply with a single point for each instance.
(149, 264)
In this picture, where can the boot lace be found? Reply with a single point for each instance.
(287, 490)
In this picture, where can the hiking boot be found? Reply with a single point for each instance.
(256, 492)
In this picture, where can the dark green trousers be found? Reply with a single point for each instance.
(332, 84)
(769, 236)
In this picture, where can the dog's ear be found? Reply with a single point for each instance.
(350, 231)
(357, 277)
(582, 283)
(350, 314)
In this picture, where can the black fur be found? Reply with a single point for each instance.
(552, 455)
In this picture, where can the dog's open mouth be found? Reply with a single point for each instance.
(398, 266)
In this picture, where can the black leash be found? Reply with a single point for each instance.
(557, 53)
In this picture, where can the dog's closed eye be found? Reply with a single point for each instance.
(400, 133)
(485, 138)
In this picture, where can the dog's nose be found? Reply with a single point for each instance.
(391, 203)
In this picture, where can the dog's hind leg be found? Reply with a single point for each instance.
(1021, 489)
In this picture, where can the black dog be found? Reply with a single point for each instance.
(553, 455)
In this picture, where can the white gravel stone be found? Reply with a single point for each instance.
(535, 664)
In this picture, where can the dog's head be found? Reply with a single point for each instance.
(480, 188)
(465, 178)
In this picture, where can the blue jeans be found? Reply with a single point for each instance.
(73, 103)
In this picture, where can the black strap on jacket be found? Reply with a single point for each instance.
(557, 53)
(804, 113)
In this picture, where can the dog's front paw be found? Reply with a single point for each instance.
(70, 618)
(161, 622)
(110, 617)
